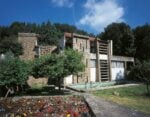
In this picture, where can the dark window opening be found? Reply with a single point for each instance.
(69, 43)
(92, 47)
(80, 46)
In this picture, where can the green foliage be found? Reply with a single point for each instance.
(49, 34)
(142, 42)
(73, 62)
(122, 36)
(13, 72)
(58, 65)
(141, 72)
(69, 28)
(11, 44)
(37, 66)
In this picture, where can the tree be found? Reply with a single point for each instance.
(57, 66)
(13, 73)
(142, 42)
(73, 62)
(11, 44)
(69, 28)
(122, 36)
(49, 34)
(146, 74)
(141, 71)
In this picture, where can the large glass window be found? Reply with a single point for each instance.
(116, 64)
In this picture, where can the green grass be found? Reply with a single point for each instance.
(133, 97)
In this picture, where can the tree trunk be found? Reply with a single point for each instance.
(17, 88)
(9, 91)
(59, 84)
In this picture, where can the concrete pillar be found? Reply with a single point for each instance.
(109, 58)
(98, 71)
(111, 47)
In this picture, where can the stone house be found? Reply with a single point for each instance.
(31, 48)
(101, 64)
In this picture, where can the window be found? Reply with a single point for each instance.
(76, 40)
(86, 43)
(116, 64)
(92, 47)
(80, 46)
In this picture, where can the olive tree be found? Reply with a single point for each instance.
(13, 73)
(57, 66)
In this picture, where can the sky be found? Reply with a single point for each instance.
(90, 15)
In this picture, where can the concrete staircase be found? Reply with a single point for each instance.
(104, 64)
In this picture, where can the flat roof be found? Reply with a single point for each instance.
(122, 58)
(71, 35)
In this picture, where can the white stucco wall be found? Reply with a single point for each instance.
(93, 74)
(93, 70)
(68, 79)
(103, 57)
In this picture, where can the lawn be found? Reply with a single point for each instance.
(133, 97)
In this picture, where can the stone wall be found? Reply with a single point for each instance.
(29, 42)
(82, 44)
(44, 50)
(37, 81)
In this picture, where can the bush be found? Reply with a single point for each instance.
(13, 74)
(141, 72)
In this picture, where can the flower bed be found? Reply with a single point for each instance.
(54, 106)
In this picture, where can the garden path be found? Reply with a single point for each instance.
(103, 108)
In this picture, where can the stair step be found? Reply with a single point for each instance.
(104, 78)
(104, 75)
(104, 67)
(103, 41)
(104, 71)
(103, 49)
(102, 53)
(103, 61)
(103, 44)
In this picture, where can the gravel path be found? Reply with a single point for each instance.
(103, 108)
